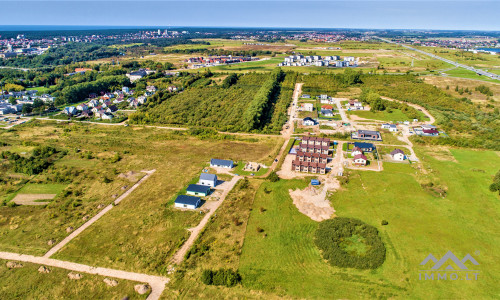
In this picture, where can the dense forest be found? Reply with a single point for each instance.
(252, 102)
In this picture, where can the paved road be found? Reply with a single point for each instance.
(478, 71)
(195, 231)
(80, 229)
(157, 283)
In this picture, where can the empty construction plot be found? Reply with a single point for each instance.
(32, 199)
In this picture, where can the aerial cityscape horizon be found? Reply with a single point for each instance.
(243, 149)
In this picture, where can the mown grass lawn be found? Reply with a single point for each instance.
(393, 116)
(420, 223)
(283, 259)
(47, 188)
(28, 283)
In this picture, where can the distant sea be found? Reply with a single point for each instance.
(490, 49)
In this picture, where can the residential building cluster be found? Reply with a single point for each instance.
(312, 155)
(300, 60)
(136, 75)
(358, 153)
(204, 186)
(426, 130)
(104, 106)
(22, 98)
(210, 61)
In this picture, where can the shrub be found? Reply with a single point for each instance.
(384, 222)
(225, 277)
(273, 177)
(331, 238)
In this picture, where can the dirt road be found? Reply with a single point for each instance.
(97, 217)
(286, 133)
(417, 107)
(195, 231)
(157, 283)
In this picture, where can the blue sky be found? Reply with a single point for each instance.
(401, 14)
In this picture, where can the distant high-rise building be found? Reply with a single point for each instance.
(159, 31)
(9, 48)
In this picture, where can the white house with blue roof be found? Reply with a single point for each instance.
(183, 201)
(208, 179)
(221, 163)
(198, 190)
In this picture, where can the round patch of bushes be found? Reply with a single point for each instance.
(350, 243)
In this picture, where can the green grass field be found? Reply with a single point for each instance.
(239, 170)
(463, 73)
(283, 260)
(143, 216)
(47, 188)
(394, 116)
(28, 283)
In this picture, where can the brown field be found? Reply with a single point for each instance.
(442, 82)
(31, 199)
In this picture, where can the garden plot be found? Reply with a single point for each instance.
(33, 199)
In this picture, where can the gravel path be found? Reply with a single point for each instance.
(195, 231)
(97, 217)
(157, 283)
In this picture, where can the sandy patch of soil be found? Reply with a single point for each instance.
(441, 153)
(30, 199)
(131, 176)
(312, 201)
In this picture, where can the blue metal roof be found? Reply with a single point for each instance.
(188, 200)
(198, 188)
(221, 162)
(364, 145)
(208, 176)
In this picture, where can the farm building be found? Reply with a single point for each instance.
(306, 96)
(221, 163)
(183, 201)
(198, 190)
(208, 179)
(398, 154)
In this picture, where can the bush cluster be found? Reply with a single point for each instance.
(225, 277)
(331, 234)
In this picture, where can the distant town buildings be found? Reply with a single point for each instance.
(300, 60)
(210, 61)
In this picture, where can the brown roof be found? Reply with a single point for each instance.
(314, 138)
(308, 154)
(308, 164)
(314, 146)
(360, 156)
